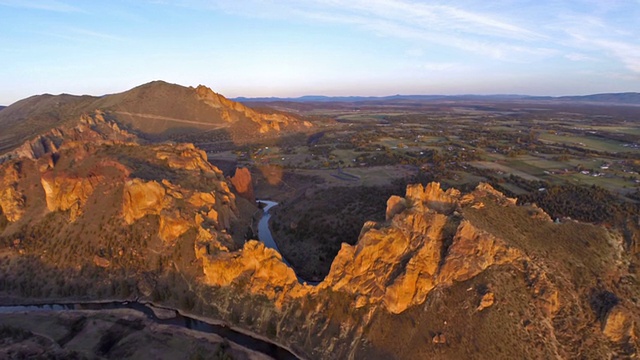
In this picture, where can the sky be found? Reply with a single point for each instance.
(290, 48)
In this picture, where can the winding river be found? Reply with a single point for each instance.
(264, 232)
(264, 235)
(245, 340)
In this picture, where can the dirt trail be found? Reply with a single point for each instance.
(158, 117)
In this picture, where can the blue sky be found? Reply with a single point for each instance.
(329, 47)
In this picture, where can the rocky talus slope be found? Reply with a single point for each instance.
(90, 211)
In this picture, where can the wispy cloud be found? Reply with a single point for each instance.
(487, 34)
(628, 54)
(579, 57)
(514, 32)
(45, 5)
(595, 34)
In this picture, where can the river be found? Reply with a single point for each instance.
(179, 320)
(264, 234)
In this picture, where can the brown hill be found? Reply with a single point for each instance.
(89, 212)
(162, 109)
(157, 111)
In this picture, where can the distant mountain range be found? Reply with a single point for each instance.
(613, 98)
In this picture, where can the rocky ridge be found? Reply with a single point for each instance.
(68, 188)
(232, 111)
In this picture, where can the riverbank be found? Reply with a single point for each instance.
(240, 336)
(111, 333)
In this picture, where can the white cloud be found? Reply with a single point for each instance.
(506, 31)
(579, 57)
(628, 54)
(446, 25)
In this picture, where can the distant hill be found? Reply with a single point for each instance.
(2, 107)
(617, 98)
(320, 98)
(613, 98)
(156, 111)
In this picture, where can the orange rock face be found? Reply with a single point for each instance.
(11, 200)
(619, 325)
(232, 111)
(487, 301)
(261, 270)
(424, 244)
(186, 156)
(399, 265)
(142, 198)
(68, 192)
(243, 184)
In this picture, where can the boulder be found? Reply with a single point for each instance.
(486, 301)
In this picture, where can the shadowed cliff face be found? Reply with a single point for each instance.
(447, 273)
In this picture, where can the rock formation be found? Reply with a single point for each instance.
(68, 193)
(11, 199)
(619, 325)
(232, 111)
(394, 265)
(243, 184)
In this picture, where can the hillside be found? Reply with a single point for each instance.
(91, 212)
(155, 111)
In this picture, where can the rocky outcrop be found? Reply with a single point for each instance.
(395, 205)
(399, 265)
(187, 157)
(425, 244)
(487, 301)
(216, 210)
(91, 128)
(41, 145)
(143, 198)
(243, 184)
(11, 198)
(619, 325)
(432, 197)
(68, 192)
(473, 251)
(232, 111)
(257, 268)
